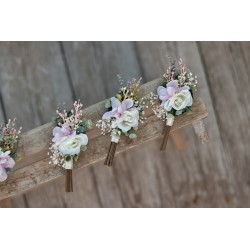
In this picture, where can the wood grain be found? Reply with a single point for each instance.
(4, 203)
(33, 82)
(91, 68)
(39, 171)
(227, 69)
(211, 175)
(198, 176)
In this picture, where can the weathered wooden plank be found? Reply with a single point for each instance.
(34, 144)
(212, 162)
(4, 203)
(201, 176)
(245, 66)
(26, 177)
(102, 61)
(179, 140)
(30, 73)
(93, 67)
(227, 67)
(2, 120)
(33, 82)
(170, 168)
(197, 176)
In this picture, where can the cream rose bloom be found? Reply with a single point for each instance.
(128, 120)
(179, 101)
(72, 145)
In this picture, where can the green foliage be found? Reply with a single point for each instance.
(69, 113)
(68, 158)
(108, 104)
(56, 121)
(132, 136)
(81, 130)
(8, 171)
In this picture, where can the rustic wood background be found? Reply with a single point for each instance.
(36, 76)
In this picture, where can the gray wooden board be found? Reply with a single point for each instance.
(4, 203)
(94, 67)
(213, 175)
(33, 82)
(200, 176)
(227, 71)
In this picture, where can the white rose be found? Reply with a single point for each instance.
(179, 101)
(72, 145)
(129, 120)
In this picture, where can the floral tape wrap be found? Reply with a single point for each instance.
(115, 135)
(169, 120)
(69, 164)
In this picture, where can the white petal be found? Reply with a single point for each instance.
(83, 139)
(3, 174)
(124, 127)
(115, 102)
(168, 105)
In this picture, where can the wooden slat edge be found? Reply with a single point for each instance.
(31, 176)
(34, 144)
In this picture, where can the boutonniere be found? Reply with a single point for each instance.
(69, 139)
(174, 97)
(9, 137)
(124, 113)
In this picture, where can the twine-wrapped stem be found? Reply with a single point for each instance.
(69, 175)
(111, 153)
(69, 181)
(165, 138)
(115, 137)
(169, 124)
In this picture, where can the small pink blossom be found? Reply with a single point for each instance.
(6, 162)
(126, 116)
(60, 133)
(118, 108)
(171, 89)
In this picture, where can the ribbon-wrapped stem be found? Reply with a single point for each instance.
(68, 174)
(169, 124)
(115, 137)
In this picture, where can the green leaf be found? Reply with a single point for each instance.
(68, 158)
(53, 119)
(132, 136)
(81, 130)
(9, 170)
(178, 112)
(58, 120)
(69, 113)
(119, 97)
(89, 124)
(108, 104)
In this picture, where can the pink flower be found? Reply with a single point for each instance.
(126, 116)
(118, 108)
(171, 89)
(6, 162)
(60, 133)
